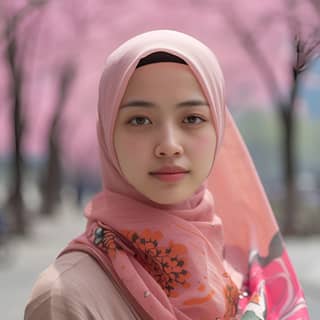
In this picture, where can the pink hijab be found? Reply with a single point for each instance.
(217, 255)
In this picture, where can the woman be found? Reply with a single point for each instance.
(182, 228)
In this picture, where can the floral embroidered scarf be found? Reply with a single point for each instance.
(217, 255)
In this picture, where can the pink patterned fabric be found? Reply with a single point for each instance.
(272, 289)
(217, 255)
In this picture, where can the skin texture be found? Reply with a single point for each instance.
(160, 132)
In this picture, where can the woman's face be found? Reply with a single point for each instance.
(164, 136)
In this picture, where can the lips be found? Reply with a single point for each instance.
(170, 173)
(170, 170)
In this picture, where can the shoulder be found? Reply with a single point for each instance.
(75, 287)
(57, 291)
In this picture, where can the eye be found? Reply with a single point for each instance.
(193, 119)
(139, 121)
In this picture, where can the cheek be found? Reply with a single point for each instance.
(134, 144)
(131, 149)
(204, 145)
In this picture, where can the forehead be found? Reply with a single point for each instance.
(163, 78)
(157, 70)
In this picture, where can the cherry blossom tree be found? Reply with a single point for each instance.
(14, 37)
(259, 46)
(304, 48)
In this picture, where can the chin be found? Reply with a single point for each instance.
(172, 200)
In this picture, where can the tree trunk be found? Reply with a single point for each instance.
(15, 203)
(51, 182)
(289, 158)
(289, 169)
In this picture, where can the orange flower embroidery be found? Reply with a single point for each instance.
(255, 298)
(199, 300)
(165, 264)
(231, 294)
(105, 239)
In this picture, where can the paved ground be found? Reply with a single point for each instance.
(27, 257)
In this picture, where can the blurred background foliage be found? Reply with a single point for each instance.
(51, 56)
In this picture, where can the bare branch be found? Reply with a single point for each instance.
(306, 52)
(249, 43)
(13, 22)
(316, 5)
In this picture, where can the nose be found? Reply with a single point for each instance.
(169, 145)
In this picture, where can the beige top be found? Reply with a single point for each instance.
(74, 287)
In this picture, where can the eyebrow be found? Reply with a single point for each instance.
(147, 104)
